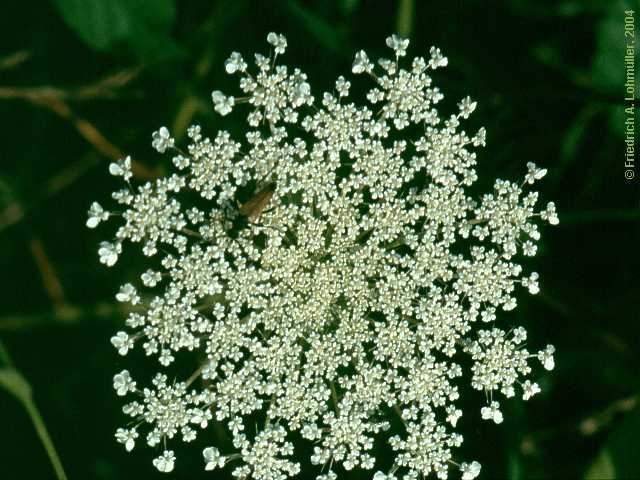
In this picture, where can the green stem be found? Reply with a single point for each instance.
(4, 356)
(404, 20)
(399, 412)
(41, 429)
(334, 396)
(14, 382)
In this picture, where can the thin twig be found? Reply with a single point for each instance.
(53, 99)
(188, 108)
(70, 174)
(15, 212)
(86, 129)
(595, 423)
(64, 315)
(15, 59)
(587, 426)
(195, 374)
(50, 278)
(102, 89)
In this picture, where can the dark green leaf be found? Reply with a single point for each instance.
(142, 24)
(331, 35)
(348, 6)
(608, 62)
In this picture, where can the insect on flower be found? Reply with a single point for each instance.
(253, 208)
(249, 212)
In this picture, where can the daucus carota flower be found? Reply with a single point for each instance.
(334, 273)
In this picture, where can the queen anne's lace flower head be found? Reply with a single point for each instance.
(353, 280)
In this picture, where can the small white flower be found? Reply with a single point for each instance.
(121, 168)
(301, 94)
(201, 417)
(470, 470)
(109, 253)
(122, 383)
(188, 434)
(480, 138)
(519, 335)
(127, 437)
(531, 283)
(122, 342)
(467, 106)
(223, 104)
(149, 249)
(181, 162)
(128, 293)
(550, 214)
(166, 358)
(529, 248)
(510, 304)
(453, 415)
(361, 63)
(235, 63)
(534, 173)
(398, 44)
(437, 60)
(165, 462)
(209, 371)
(546, 357)
(153, 438)
(388, 65)
(150, 278)
(213, 459)
(235, 425)
(161, 140)
(96, 215)
(492, 412)
(508, 391)
(342, 86)
(529, 389)
(278, 41)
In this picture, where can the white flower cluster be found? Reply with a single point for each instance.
(330, 270)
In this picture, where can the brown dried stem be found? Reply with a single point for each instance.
(50, 278)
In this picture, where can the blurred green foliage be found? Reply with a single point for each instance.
(83, 81)
(142, 25)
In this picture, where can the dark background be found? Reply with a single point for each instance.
(83, 82)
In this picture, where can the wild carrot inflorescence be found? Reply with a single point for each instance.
(353, 294)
